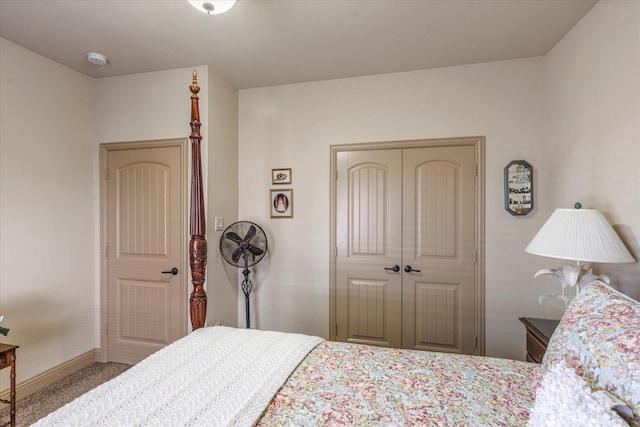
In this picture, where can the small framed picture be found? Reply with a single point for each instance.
(282, 203)
(281, 176)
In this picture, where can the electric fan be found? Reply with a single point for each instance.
(244, 252)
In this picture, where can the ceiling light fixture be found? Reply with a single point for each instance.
(96, 58)
(213, 7)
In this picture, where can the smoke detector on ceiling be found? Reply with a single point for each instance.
(96, 58)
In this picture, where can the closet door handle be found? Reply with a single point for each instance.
(395, 268)
(173, 271)
(408, 269)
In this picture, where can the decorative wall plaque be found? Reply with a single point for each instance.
(518, 187)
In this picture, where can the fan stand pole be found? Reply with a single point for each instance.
(246, 288)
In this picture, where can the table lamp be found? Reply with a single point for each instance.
(581, 235)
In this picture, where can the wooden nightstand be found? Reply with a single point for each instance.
(538, 333)
(8, 359)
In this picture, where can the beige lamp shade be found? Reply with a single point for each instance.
(582, 235)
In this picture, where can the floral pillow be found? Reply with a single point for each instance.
(599, 338)
(564, 399)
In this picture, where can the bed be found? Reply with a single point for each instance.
(219, 376)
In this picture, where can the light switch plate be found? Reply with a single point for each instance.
(219, 223)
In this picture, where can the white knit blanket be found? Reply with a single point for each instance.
(216, 376)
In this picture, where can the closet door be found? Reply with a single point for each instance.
(369, 214)
(415, 208)
(439, 246)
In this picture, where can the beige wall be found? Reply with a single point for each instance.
(48, 292)
(593, 127)
(294, 126)
(222, 279)
(148, 106)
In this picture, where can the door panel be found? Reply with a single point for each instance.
(145, 237)
(434, 185)
(435, 313)
(435, 318)
(439, 241)
(366, 309)
(368, 199)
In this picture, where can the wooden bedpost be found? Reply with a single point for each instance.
(197, 224)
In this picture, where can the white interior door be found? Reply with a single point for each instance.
(414, 208)
(146, 240)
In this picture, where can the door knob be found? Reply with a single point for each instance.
(408, 269)
(395, 268)
(173, 271)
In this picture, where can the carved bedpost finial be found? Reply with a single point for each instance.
(194, 84)
(195, 111)
(197, 224)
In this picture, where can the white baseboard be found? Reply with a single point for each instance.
(25, 388)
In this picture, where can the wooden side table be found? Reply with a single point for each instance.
(8, 359)
(538, 333)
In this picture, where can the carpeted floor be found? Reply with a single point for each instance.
(39, 404)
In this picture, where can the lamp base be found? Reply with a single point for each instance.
(577, 276)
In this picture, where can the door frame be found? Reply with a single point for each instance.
(478, 142)
(105, 148)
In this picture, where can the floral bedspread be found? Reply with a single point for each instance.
(345, 384)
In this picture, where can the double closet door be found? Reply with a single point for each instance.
(406, 248)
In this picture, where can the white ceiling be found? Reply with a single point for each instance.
(270, 42)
